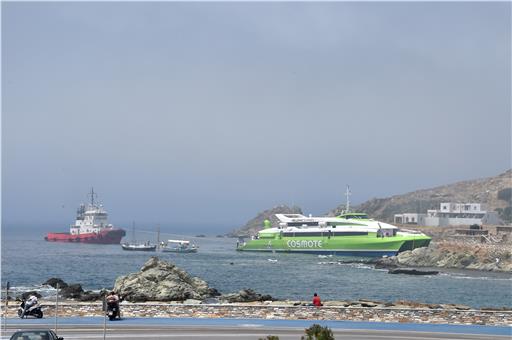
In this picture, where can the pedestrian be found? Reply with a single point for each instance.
(316, 300)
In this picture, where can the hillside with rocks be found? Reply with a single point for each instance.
(494, 192)
(256, 224)
(461, 254)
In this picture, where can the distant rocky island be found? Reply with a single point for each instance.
(256, 224)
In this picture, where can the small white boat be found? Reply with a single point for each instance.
(178, 246)
(139, 246)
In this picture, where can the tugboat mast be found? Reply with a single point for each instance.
(92, 193)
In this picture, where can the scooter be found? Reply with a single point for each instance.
(113, 310)
(34, 310)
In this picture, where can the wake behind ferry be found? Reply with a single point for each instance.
(350, 234)
(91, 226)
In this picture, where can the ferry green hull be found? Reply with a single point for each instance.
(356, 245)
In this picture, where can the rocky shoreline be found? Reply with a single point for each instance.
(456, 255)
(161, 289)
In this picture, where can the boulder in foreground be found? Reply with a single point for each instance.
(162, 281)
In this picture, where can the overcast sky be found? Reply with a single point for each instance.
(206, 113)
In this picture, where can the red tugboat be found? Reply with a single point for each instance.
(91, 226)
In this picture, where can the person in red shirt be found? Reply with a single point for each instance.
(316, 300)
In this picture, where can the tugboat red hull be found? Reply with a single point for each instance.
(110, 236)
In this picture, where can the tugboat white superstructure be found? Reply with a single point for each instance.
(91, 226)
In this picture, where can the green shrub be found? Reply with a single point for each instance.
(507, 214)
(317, 332)
(505, 194)
(270, 337)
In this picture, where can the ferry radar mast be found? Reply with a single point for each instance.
(347, 194)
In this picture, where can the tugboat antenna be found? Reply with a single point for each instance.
(92, 196)
(347, 194)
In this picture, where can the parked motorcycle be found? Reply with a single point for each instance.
(34, 310)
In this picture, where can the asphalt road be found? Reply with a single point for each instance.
(76, 328)
(153, 332)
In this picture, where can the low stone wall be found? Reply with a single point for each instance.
(276, 311)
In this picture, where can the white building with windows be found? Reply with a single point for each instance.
(460, 214)
(410, 218)
(450, 214)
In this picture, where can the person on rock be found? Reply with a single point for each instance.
(316, 300)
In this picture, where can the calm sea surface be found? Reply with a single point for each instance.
(27, 261)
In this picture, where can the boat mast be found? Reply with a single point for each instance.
(347, 194)
(92, 193)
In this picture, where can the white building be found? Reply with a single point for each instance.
(409, 218)
(460, 214)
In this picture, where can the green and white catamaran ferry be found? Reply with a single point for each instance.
(349, 234)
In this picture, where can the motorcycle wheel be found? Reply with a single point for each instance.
(39, 314)
(20, 313)
(111, 317)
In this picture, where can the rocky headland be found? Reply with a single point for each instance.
(454, 254)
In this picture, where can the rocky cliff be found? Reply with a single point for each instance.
(256, 224)
(493, 192)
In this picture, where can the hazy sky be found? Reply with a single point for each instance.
(206, 113)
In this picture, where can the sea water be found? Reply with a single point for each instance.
(28, 261)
